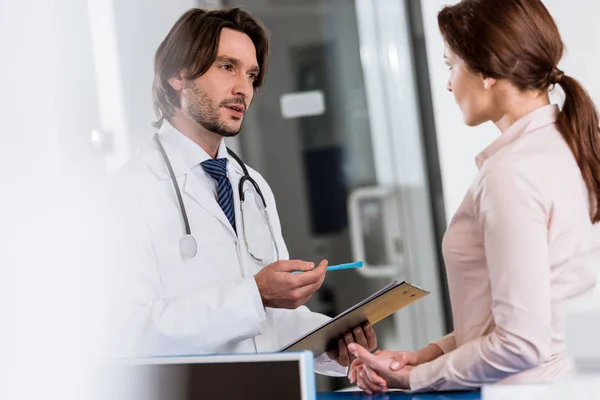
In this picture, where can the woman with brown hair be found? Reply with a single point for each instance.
(526, 239)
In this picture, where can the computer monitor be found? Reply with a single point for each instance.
(287, 376)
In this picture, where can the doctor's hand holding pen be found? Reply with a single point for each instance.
(279, 288)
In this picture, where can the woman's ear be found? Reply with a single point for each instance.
(488, 82)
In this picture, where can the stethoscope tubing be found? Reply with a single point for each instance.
(187, 243)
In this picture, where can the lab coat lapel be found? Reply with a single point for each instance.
(234, 172)
(205, 199)
(192, 186)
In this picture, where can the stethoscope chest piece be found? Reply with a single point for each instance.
(188, 246)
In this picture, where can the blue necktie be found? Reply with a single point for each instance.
(217, 169)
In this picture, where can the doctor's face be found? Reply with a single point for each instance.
(219, 98)
(469, 89)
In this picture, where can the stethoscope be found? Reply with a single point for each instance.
(187, 244)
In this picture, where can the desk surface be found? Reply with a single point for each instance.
(400, 395)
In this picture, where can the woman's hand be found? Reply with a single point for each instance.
(385, 369)
(400, 360)
(371, 382)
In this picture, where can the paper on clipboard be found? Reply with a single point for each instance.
(373, 309)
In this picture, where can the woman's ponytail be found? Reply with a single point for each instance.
(579, 124)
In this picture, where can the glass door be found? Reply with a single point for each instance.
(335, 131)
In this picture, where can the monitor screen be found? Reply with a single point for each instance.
(277, 379)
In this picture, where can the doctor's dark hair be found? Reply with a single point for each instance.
(519, 41)
(193, 43)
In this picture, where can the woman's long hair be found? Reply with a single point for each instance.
(518, 40)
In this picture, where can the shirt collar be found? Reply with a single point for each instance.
(184, 154)
(536, 119)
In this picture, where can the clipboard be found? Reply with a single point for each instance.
(373, 309)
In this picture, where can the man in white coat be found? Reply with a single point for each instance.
(230, 289)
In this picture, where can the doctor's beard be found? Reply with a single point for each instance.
(202, 108)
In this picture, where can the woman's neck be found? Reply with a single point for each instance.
(519, 105)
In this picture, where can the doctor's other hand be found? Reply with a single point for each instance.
(279, 288)
(363, 335)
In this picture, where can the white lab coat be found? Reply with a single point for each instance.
(170, 305)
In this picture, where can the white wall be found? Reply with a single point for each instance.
(125, 36)
(458, 144)
(46, 109)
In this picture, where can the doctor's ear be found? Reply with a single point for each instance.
(488, 82)
(177, 81)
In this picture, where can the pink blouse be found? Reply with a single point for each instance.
(520, 247)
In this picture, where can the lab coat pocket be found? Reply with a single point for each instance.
(213, 265)
(215, 261)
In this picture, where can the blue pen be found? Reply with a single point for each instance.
(357, 264)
